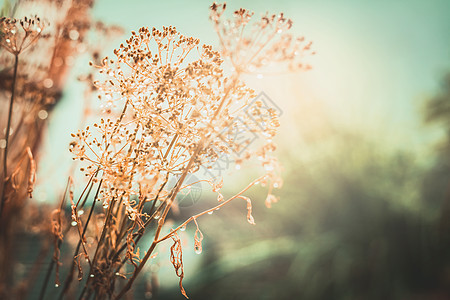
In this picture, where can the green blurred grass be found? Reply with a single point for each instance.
(358, 222)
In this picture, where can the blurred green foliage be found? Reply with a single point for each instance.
(360, 222)
(438, 108)
(8, 8)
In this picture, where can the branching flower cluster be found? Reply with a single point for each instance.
(170, 110)
(257, 44)
(18, 35)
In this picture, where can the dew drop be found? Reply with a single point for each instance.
(80, 212)
(92, 275)
(11, 131)
(56, 285)
(48, 83)
(42, 114)
(74, 223)
(198, 250)
(74, 35)
(183, 228)
(210, 212)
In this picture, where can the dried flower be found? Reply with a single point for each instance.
(170, 110)
(255, 45)
(18, 35)
(171, 102)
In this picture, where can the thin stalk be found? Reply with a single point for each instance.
(47, 277)
(119, 120)
(140, 232)
(69, 277)
(8, 129)
(58, 245)
(223, 203)
(174, 193)
(161, 221)
(99, 244)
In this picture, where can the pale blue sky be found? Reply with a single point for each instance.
(377, 60)
(376, 63)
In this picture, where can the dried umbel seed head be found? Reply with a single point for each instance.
(172, 103)
(16, 35)
(254, 45)
(178, 112)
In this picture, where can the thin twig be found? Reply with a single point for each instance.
(8, 129)
(69, 277)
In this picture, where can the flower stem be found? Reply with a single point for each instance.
(175, 191)
(8, 129)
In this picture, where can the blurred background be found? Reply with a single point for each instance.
(364, 212)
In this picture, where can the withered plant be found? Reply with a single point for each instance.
(18, 166)
(170, 110)
(36, 55)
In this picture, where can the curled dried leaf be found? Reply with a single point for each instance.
(56, 223)
(32, 174)
(198, 237)
(176, 258)
(250, 218)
